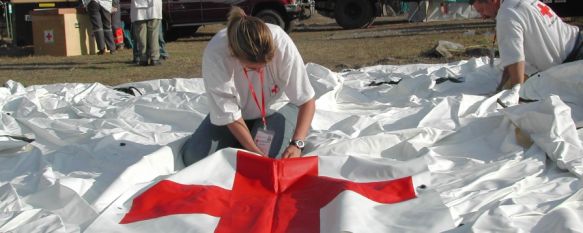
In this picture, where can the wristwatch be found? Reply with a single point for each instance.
(298, 143)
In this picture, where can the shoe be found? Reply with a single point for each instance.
(143, 63)
(112, 52)
(101, 52)
(164, 57)
(155, 63)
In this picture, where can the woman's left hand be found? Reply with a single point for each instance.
(291, 152)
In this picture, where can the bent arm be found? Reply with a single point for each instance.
(304, 120)
(513, 74)
(239, 129)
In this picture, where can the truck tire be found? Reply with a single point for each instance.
(350, 14)
(274, 17)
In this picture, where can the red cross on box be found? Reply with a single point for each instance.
(267, 196)
(49, 36)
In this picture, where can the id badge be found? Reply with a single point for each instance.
(263, 140)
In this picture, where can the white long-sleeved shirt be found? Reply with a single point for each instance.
(145, 10)
(286, 80)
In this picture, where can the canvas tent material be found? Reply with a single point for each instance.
(94, 145)
(439, 10)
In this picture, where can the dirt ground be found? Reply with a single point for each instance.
(389, 40)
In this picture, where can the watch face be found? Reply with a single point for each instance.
(299, 143)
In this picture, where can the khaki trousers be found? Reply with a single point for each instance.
(147, 32)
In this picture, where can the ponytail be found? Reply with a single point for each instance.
(249, 37)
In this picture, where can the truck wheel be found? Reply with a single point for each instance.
(272, 17)
(352, 14)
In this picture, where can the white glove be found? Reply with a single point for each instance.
(510, 97)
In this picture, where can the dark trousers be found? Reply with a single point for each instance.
(101, 23)
(577, 53)
(209, 138)
(116, 24)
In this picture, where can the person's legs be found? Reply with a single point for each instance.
(142, 38)
(135, 43)
(93, 8)
(116, 25)
(127, 35)
(107, 32)
(163, 53)
(283, 123)
(153, 45)
(206, 140)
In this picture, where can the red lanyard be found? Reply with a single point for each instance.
(262, 107)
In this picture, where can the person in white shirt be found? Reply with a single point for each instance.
(146, 16)
(260, 98)
(100, 16)
(531, 38)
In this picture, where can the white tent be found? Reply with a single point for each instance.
(439, 10)
(94, 145)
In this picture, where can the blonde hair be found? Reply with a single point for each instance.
(249, 37)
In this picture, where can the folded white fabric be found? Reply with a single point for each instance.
(510, 97)
(551, 127)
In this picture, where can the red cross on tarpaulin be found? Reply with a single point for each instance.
(545, 10)
(275, 89)
(267, 196)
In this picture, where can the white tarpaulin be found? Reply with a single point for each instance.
(73, 154)
(439, 10)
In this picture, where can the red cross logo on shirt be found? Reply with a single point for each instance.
(545, 10)
(261, 201)
(49, 37)
(275, 89)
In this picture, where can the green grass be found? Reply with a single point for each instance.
(186, 54)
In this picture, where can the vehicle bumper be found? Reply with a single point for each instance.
(298, 6)
(293, 8)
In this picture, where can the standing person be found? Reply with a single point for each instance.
(116, 25)
(260, 98)
(146, 16)
(100, 16)
(163, 52)
(531, 38)
(162, 44)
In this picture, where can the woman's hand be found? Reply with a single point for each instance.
(291, 152)
(239, 129)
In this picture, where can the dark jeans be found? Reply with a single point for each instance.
(101, 24)
(209, 138)
(577, 53)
